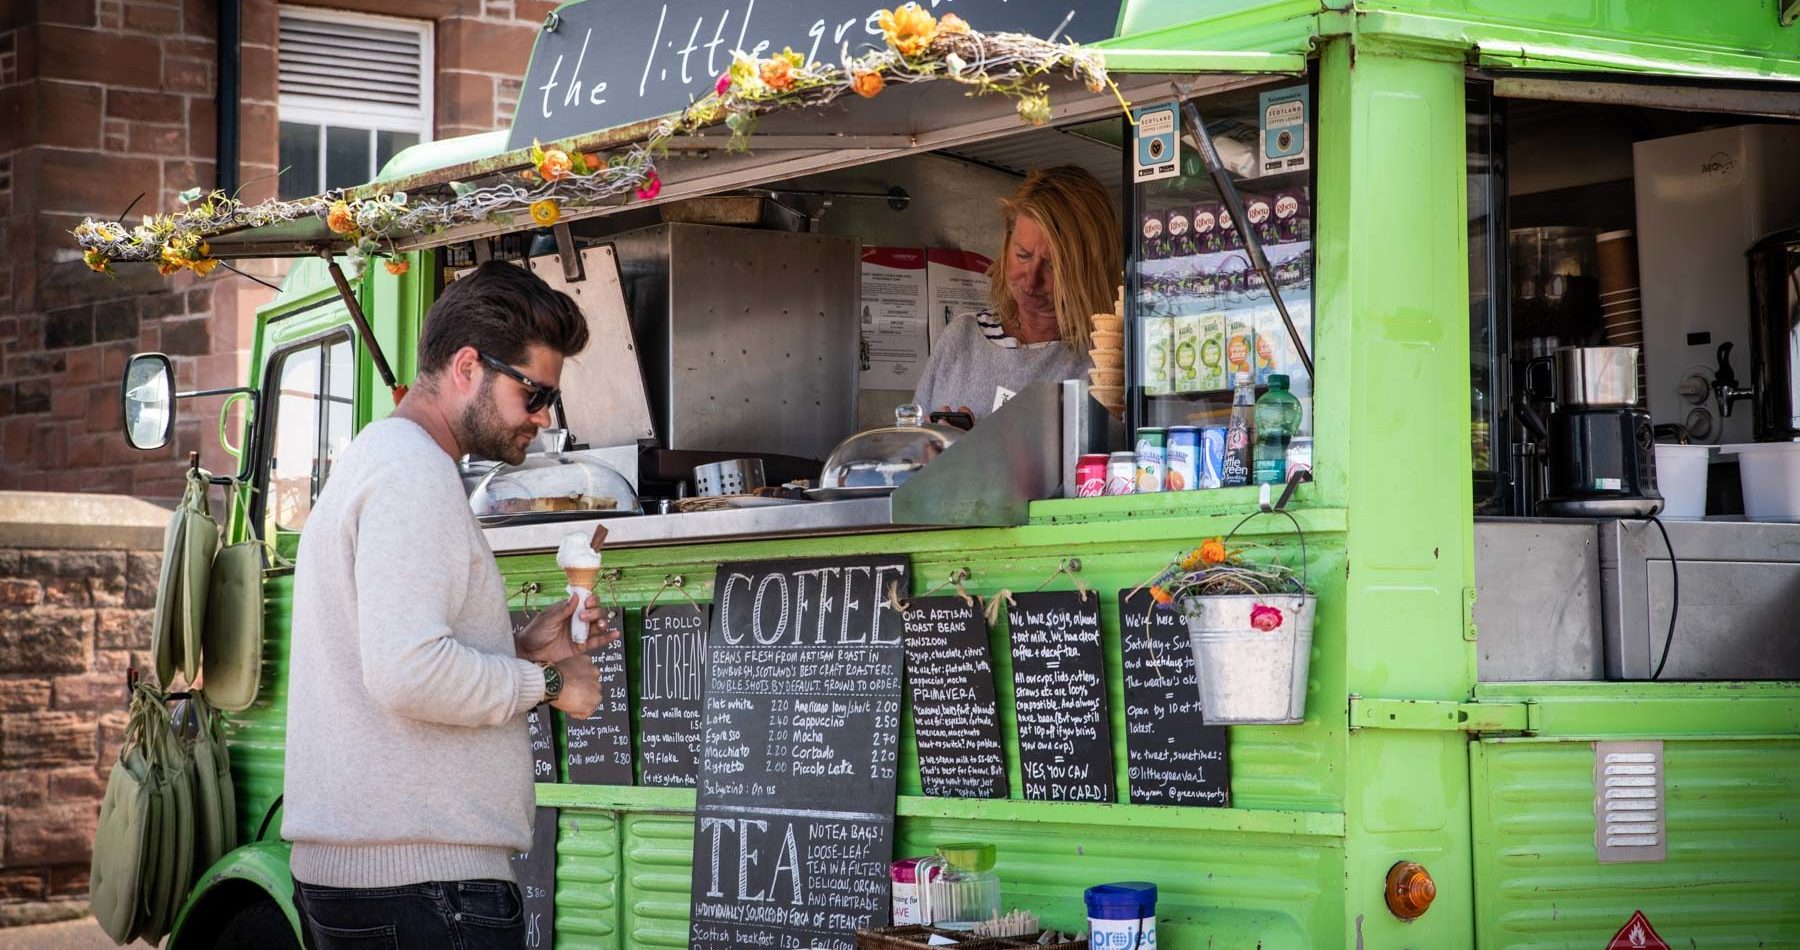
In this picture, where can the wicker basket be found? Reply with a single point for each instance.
(911, 936)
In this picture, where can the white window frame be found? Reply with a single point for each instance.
(327, 112)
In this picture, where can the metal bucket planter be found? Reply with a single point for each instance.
(1251, 655)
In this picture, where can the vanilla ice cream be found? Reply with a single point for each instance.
(574, 553)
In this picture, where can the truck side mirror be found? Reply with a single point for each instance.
(147, 395)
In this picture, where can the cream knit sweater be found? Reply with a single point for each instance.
(407, 753)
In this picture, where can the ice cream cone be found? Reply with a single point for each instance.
(582, 577)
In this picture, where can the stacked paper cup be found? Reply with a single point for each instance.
(1621, 307)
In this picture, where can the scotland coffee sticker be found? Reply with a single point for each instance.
(1285, 145)
(1158, 146)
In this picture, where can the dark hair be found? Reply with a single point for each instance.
(500, 309)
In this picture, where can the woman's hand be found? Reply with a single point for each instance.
(546, 638)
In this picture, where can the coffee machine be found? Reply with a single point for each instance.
(1600, 445)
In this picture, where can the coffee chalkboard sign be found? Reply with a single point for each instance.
(794, 821)
(671, 669)
(608, 63)
(599, 747)
(1059, 690)
(535, 871)
(1172, 756)
(951, 678)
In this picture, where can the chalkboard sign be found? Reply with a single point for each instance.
(609, 63)
(535, 871)
(951, 677)
(671, 669)
(599, 747)
(540, 723)
(794, 822)
(1059, 689)
(1172, 756)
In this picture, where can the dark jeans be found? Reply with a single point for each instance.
(439, 915)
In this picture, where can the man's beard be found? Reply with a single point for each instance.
(479, 430)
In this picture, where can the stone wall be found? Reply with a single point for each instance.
(77, 589)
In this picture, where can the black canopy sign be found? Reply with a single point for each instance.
(1059, 695)
(610, 63)
(672, 667)
(951, 677)
(794, 822)
(1173, 757)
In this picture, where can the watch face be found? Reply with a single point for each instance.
(552, 682)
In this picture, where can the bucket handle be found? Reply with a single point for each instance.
(1280, 508)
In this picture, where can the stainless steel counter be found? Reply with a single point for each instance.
(778, 521)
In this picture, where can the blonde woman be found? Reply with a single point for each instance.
(1057, 267)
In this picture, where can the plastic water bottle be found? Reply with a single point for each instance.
(1277, 416)
(1236, 470)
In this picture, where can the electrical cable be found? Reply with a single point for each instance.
(1675, 598)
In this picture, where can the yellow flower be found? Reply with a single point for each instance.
(545, 213)
(868, 83)
(951, 23)
(908, 29)
(1035, 109)
(96, 260)
(1209, 552)
(1161, 596)
(340, 220)
(204, 266)
(397, 268)
(168, 269)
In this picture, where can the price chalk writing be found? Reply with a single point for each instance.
(671, 669)
(794, 821)
(950, 675)
(1172, 756)
(1059, 690)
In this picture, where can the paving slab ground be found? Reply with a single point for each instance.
(83, 934)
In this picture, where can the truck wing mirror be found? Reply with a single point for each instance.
(147, 394)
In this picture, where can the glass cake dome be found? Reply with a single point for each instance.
(551, 486)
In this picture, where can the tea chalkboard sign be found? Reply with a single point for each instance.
(1059, 690)
(535, 871)
(1172, 756)
(671, 669)
(599, 747)
(794, 821)
(950, 675)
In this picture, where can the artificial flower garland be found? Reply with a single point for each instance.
(919, 47)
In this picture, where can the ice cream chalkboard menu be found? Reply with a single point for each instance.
(1059, 694)
(951, 677)
(671, 667)
(1173, 757)
(800, 720)
(599, 747)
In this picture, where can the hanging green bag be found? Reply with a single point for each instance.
(122, 837)
(231, 650)
(182, 592)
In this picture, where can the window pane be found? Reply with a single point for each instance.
(299, 157)
(346, 157)
(296, 439)
(340, 401)
(388, 144)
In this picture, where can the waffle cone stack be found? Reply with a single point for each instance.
(1108, 375)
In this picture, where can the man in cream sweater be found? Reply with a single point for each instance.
(409, 782)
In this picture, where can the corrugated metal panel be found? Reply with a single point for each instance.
(587, 880)
(256, 736)
(658, 850)
(1732, 877)
(1045, 148)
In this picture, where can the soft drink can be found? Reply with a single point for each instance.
(1090, 476)
(1152, 458)
(1183, 471)
(1121, 473)
(1212, 457)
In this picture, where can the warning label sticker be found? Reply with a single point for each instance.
(1637, 934)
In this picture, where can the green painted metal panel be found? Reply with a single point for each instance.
(1654, 710)
(588, 880)
(1732, 877)
(656, 882)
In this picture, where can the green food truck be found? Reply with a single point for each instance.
(1501, 253)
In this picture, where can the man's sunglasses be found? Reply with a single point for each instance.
(538, 396)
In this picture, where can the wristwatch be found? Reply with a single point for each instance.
(552, 683)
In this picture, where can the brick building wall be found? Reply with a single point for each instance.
(102, 101)
(77, 591)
